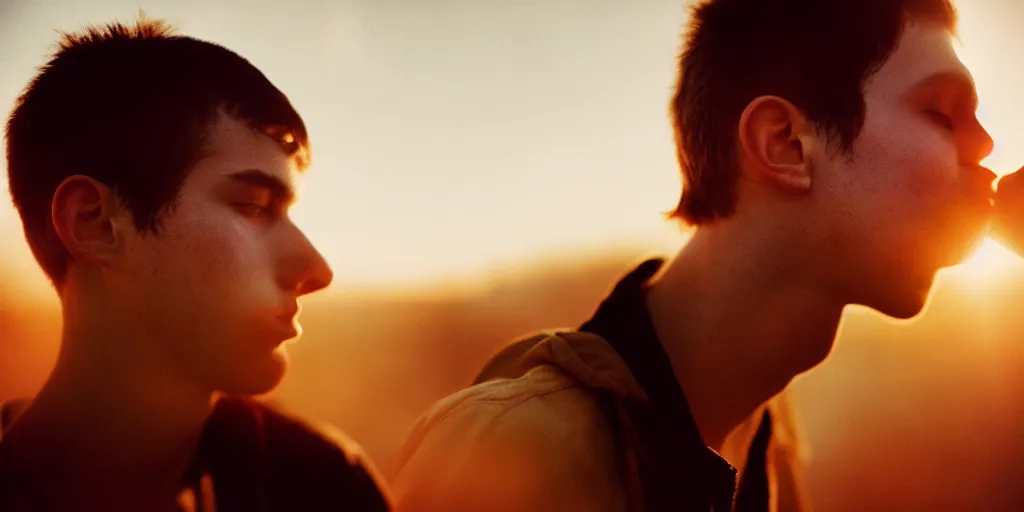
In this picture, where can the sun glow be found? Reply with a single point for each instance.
(991, 262)
(982, 46)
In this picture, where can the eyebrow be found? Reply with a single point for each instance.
(959, 80)
(280, 190)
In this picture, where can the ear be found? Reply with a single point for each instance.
(85, 217)
(774, 138)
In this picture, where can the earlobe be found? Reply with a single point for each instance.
(772, 142)
(83, 211)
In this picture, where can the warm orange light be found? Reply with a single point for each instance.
(1001, 107)
(989, 265)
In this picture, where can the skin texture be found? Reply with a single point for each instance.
(755, 299)
(217, 290)
(914, 198)
(156, 325)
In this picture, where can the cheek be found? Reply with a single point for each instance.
(207, 290)
(891, 196)
(215, 248)
(912, 166)
(205, 268)
(927, 167)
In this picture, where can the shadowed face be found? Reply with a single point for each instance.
(216, 288)
(911, 198)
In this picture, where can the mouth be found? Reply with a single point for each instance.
(985, 182)
(980, 195)
(290, 314)
(286, 325)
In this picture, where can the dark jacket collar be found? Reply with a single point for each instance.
(681, 458)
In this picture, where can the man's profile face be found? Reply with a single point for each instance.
(216, 288)
(910, 198)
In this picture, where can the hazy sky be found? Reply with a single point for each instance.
(453, 136)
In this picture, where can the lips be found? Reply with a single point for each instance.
(285, 332)
(290, 313)
(285, 326)
(977, 195)
(983, 184)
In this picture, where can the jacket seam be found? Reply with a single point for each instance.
(512, 405)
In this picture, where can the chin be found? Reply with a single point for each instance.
(902, 297)
(903, 305)
(963, 250)
(904, 311)
(259, 377)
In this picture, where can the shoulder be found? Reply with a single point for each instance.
(10, 411)
(290, 437)
(13, 495)
(314, 466)
(15, 491)
(538, 438)
(542, 399)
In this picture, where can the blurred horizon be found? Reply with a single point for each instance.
(903, 415)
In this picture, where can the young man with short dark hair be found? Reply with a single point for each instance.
(153, 173)
(830, 156)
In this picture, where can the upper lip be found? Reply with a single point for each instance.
(290, 313)
(985, 180)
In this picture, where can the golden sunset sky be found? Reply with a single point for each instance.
(452, 138)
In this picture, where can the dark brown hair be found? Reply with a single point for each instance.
(130, 107)
(815, 53)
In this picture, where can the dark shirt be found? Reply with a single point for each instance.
(680, 463)
(250, 458)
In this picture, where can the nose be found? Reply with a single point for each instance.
(982, 143)
(319, 276)
(306, 270)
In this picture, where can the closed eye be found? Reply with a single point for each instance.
(253, 209)
(942, 119)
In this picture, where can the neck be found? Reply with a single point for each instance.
(739, 316)
(112, 419)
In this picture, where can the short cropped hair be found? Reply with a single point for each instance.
(817, 54)
(130, 106)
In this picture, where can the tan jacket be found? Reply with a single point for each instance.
(535, 434)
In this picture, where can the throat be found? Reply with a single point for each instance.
(736, 339)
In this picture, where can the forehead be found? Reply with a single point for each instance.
(233, 146)
(923, 50)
